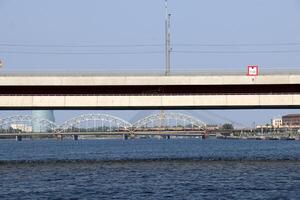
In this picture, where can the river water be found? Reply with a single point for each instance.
(149, 169)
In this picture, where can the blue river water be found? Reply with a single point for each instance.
(149, 169)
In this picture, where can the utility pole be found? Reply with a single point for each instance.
(168, 54)
(168, 48)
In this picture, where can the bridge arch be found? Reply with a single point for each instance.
(94, 123)
(169, 120)
(23, 123)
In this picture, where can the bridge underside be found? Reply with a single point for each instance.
(150, 90)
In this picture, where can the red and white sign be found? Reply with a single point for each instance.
(252, 71)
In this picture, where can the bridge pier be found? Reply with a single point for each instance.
(18, 138)
(75, 137)
(204, 136)
(59, 137)
(125, 136)
(167, 137)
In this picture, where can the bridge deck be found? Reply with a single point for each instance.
(149, 92)
(143, 80)
(148, 133)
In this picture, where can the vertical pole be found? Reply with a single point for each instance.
(167, 40)
(167, 49)
(169, 44)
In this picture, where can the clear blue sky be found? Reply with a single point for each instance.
(44, 35)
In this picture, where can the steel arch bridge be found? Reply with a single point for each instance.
(105, 124)
(94, 123)
(23, 124)
(169, 121)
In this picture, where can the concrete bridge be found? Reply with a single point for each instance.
(96, 91)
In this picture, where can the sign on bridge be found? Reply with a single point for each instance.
(252, 71)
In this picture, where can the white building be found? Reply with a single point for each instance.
(277, 122)
(22, 127)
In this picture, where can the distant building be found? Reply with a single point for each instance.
(212, 127)
(263, 126)
(37, 126)
(277, 122)
(291, 120)
(22, 127)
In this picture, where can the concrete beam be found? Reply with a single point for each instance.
(90, 80)
(132, 102)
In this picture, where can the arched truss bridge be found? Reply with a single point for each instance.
(94, 123)
(23, 123)
(171, 121)
(103, 123)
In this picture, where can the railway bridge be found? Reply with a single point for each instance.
(104, 125)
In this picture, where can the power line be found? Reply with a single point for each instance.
(236, 52)
(148, 52)
(81, 53)
(149, 45)
(237, 44)
(80, 46)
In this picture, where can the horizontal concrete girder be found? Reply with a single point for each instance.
(149, 102)
(94, 80)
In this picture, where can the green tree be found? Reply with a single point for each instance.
(227, 127)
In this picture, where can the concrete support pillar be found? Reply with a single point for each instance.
(75, 137)
(132, 136)
(125, 136)
(167, 137)
(205, 136)
(18, 138)
(59, 137)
